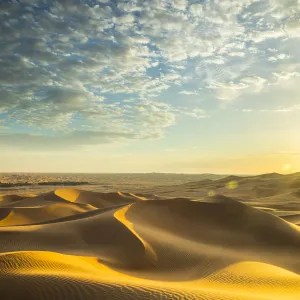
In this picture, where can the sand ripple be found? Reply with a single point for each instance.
(72, 244)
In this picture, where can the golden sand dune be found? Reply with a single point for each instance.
(73, 244)
(48, 275)
(10, 216)
(294, 218)
(9, 199)
(96, 199)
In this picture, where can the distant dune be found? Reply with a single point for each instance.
(76, 244)
(49, 183)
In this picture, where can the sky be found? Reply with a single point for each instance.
(176, 86)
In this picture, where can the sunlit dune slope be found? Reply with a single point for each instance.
(63, 195)
(73, 244)
(211, 218)
(48, 275)
(30, 215)
(96, 199)
(8, 199)
(24, 210)
(33, 200)
(97, 233)
(293, 218)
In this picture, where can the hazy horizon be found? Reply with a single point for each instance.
(149, 173)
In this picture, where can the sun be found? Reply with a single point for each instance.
(286, 168)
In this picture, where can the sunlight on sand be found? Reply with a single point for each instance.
(75, 244)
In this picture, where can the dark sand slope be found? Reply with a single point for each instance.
(72, 244)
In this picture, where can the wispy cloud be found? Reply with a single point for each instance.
(279, 109)
(190, 93)
(283, 109)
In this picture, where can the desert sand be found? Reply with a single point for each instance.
(221, 238)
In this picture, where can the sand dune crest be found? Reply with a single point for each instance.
(74, 244)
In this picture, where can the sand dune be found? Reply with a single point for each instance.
(29, 215)
(293, 218)
(99, 200)
(74, 244)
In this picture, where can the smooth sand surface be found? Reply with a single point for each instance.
(75, 244)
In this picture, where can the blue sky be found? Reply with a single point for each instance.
(142, 86)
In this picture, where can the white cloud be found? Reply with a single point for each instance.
(293, 28)
(261, 36)
(233, 90)
(180, 4)
(256, 83)
(285, 75)
(69, 65)
(277, 57)
(189, 93)
(129, 6)
(239, 54)
(125, 19)
(218, 60)
(283, 109)
(141, 39)
(196, 10)
(196, 113)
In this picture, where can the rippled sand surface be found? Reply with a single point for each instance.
(213, 238)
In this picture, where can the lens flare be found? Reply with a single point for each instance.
(232, 185)
(211, 193)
